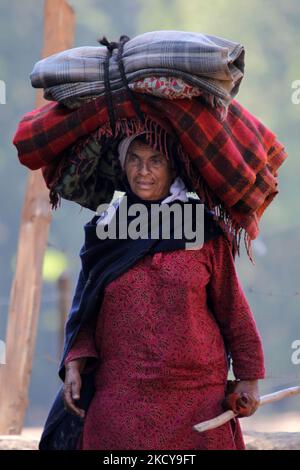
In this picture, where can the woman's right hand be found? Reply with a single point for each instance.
(72, 386)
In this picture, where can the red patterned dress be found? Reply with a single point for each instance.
(159, 344)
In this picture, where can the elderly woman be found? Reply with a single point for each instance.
(171, 320)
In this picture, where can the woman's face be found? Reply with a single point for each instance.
(149, 172)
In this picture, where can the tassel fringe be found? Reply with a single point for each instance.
(125, 127)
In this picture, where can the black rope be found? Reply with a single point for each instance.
(122, 41)
(108, 93)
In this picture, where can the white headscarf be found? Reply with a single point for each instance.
(177, 188)
(124, 145)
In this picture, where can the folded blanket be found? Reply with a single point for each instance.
(214, 64)
(232, 164)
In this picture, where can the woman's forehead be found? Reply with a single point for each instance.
(139, 148)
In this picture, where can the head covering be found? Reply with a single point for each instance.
(124, 146)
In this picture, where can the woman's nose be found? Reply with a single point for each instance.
(143, 167)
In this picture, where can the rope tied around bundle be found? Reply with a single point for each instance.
(111, 46)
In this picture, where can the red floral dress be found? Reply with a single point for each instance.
(159, 344)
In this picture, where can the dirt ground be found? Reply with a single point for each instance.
(261, 431)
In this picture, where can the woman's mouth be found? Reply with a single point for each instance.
(144, 184)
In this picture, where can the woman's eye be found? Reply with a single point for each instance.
(133, 158)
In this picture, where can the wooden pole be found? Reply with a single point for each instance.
(59, 22)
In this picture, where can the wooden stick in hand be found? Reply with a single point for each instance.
(228, 415)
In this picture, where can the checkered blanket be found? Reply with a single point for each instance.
(232, 163)
(214, 64)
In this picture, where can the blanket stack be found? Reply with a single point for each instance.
(167, 82)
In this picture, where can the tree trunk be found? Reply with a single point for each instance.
(59, 21)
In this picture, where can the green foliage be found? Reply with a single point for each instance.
(55, 263)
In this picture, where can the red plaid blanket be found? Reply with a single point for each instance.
(236, 158)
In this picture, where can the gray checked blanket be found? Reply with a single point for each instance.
(214, 64)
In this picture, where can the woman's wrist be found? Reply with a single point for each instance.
(76, 364)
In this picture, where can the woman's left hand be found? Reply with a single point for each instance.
(243, 400)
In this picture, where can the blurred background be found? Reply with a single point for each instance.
(270, 33)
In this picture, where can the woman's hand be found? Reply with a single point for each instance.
(242, 398)
(72, 386)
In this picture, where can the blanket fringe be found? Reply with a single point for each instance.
(230, 227)
(220, 105)
(156, 135)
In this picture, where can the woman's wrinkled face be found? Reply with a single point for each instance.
(149, 172)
